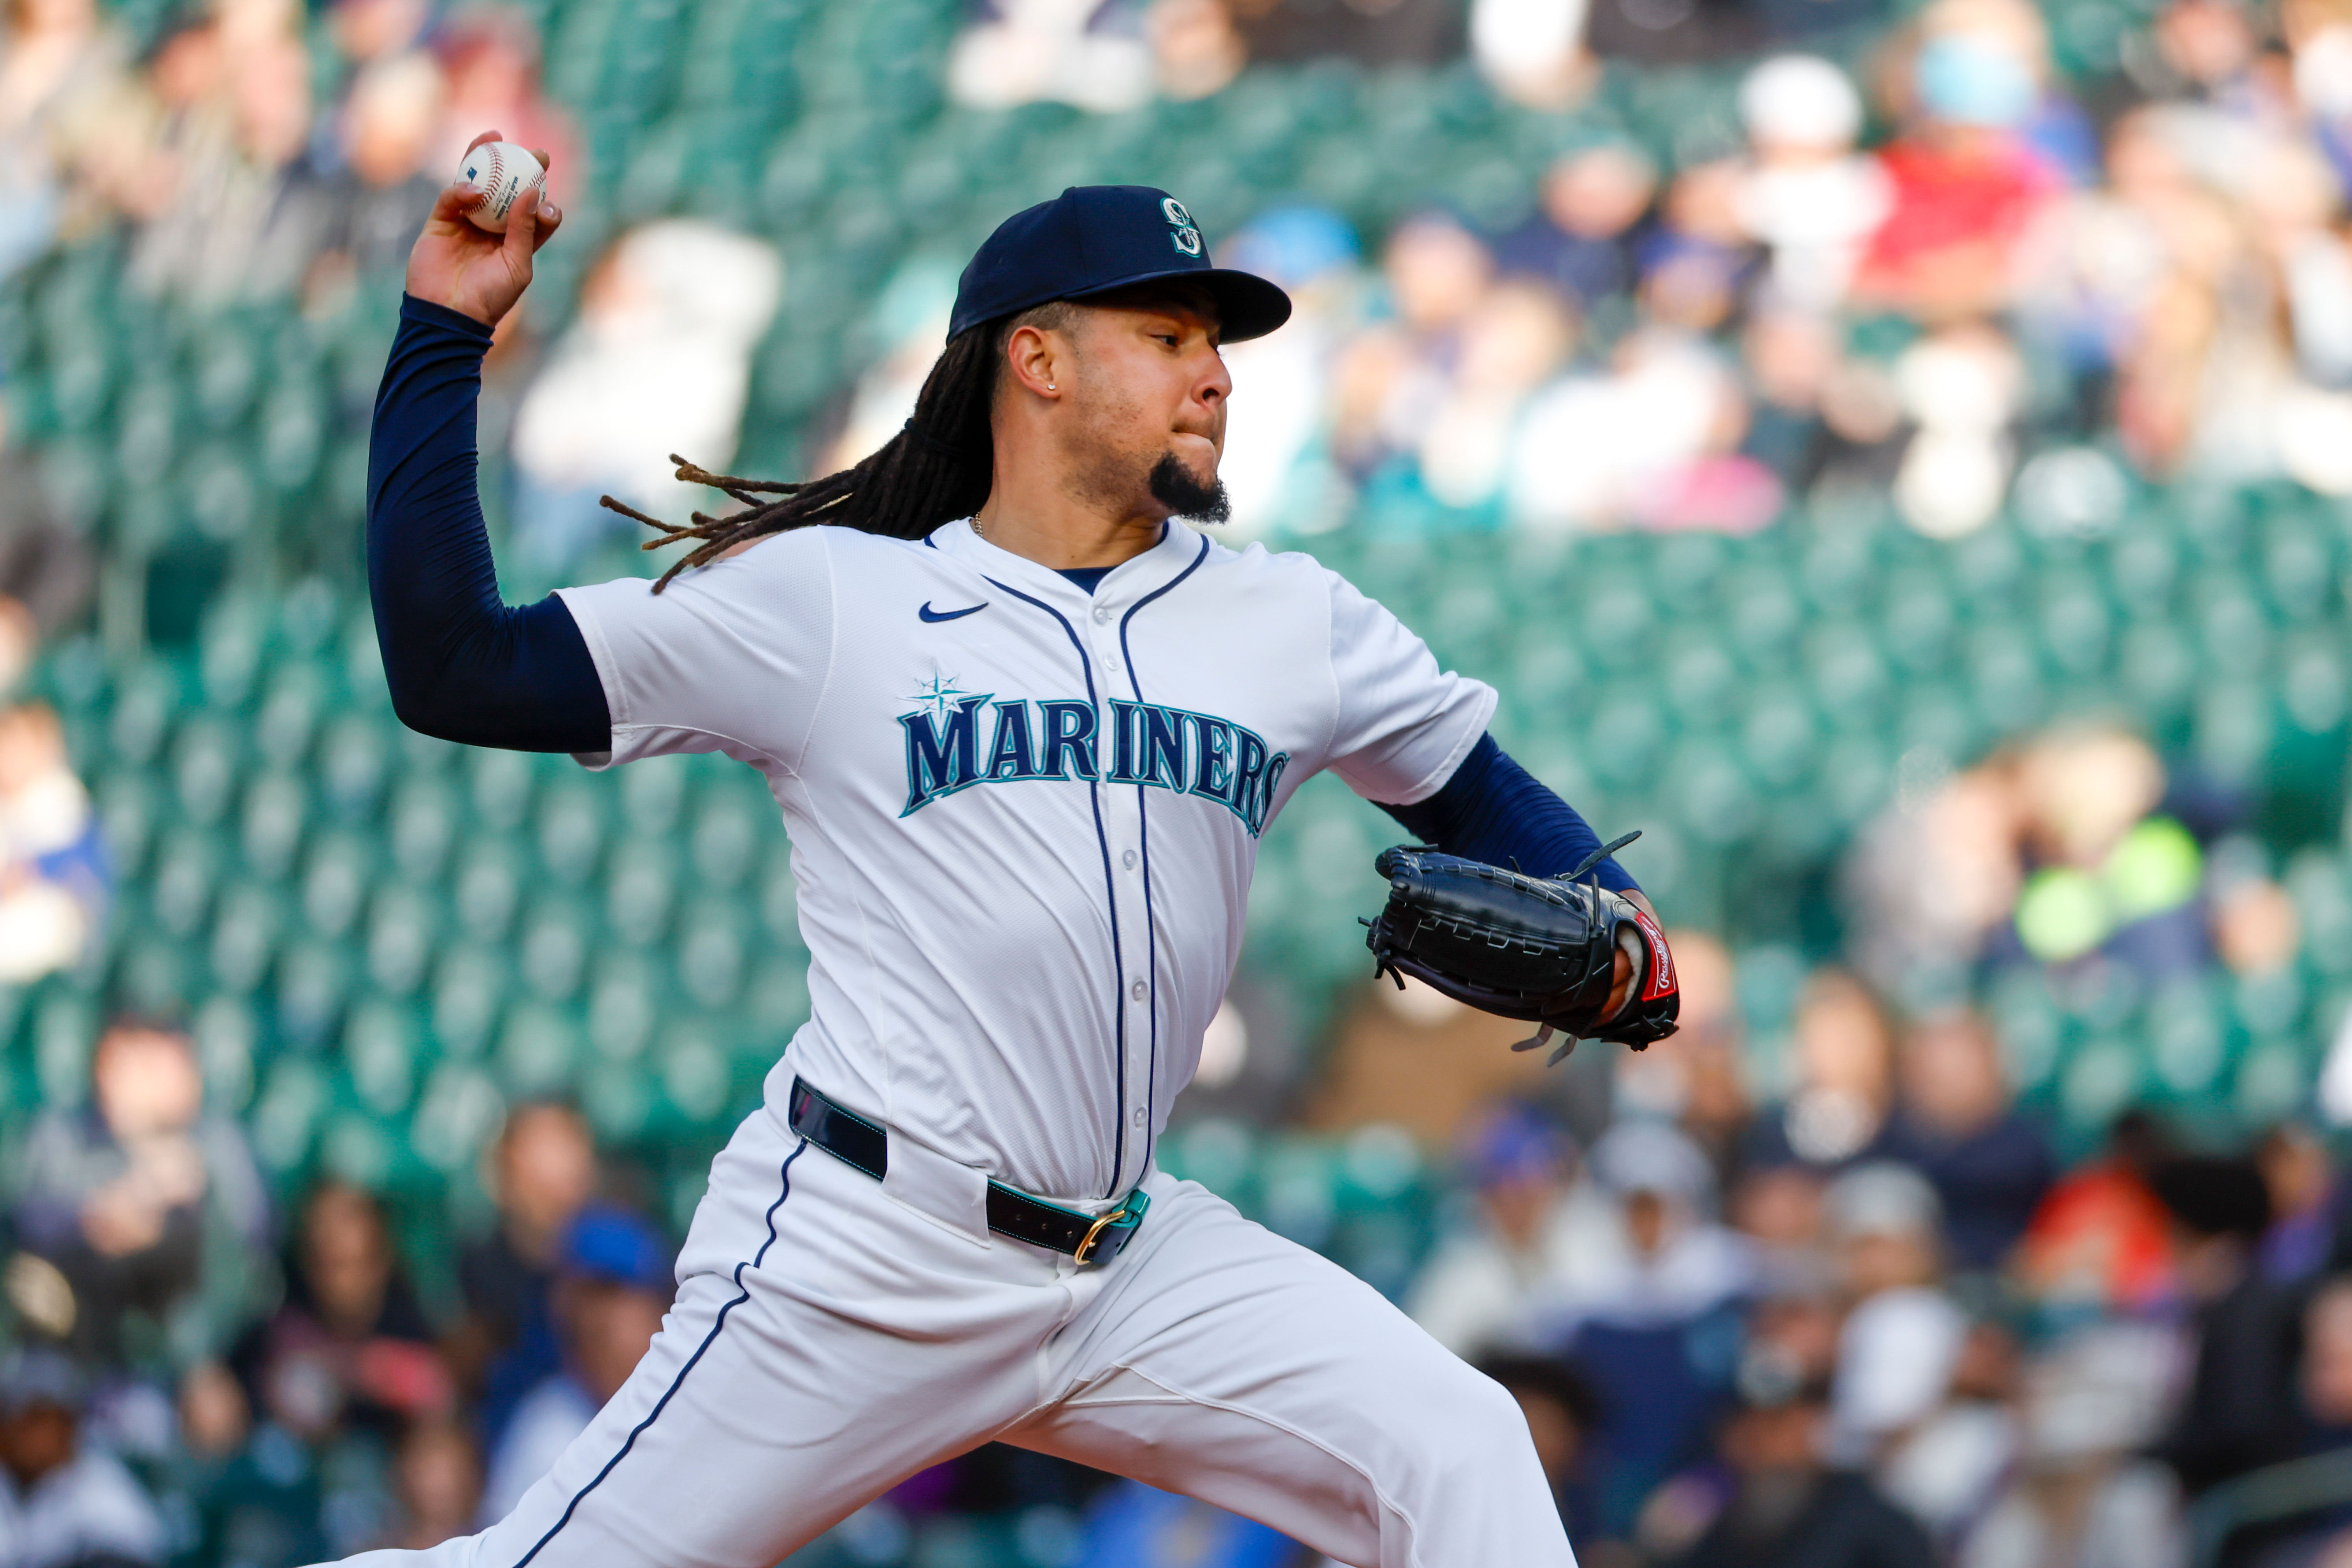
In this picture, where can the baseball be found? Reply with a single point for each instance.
(505, 173)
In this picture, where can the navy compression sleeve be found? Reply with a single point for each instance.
(1494, 810)
(462, 664)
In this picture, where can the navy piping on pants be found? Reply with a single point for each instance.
(741, 1295)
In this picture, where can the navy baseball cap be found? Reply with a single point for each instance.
(1091, 239)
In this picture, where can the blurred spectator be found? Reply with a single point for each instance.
(2052, 851)
(1131, 1523)
(1954, 1123)
(1481, 1285)
(1563, 1415)
(1652, 1320)
(1277, 464)
(367, 31)
(1697, 262)
(2109, 873)
(1965, 184)
(910, 321)
(1805, 194)
(60, 72)
(1582, 239)
(1903, 1337)
(542, 1171)
(1698, 1083)
(2101, 1238)
(1533, 50)
(491, 59)
(1090, 53)
(371, 209)
(1514, 341)
(2324, 1375)
(1393, 375)
(1196, 50)
(1843, 1077)
(53, 876)
(1961, 385)
(65, 1503)
(2241, 1378)
(236, 89)
(1950, 1468)
(1777, 1208)
(2081, 1496)
(658, 361)
(1788, 1509)
(47, 567)
(144, 1202)
(614, 1286)
(2305, 1203)
(351, 1347)
(1667, 1259)
(437, 1478)
(1653, 441)
(1398, 32)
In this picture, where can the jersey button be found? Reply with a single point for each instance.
(1136, 990)
(1126, 858)
(1139, 1116)
(1102, 612)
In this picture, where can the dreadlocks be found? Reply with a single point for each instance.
(933, 471)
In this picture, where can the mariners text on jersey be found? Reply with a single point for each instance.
(1024, 815)
(1167, 748)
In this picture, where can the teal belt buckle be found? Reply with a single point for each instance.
(1123, 1219)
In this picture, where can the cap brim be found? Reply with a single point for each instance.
(1248, 306)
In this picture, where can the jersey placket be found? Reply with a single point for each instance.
(1126, 822)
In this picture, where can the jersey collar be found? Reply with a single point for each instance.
(1179, 545)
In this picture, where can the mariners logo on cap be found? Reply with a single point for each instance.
(1187, 238)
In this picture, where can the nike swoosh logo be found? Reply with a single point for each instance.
(935, 617)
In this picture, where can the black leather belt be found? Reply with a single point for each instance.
(853, 1140)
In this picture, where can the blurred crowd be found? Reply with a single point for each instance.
(1840, 1298)
(199, 1377)
(1949, 270)
(1867, 1318)
(252, 150)
(1876, 1318)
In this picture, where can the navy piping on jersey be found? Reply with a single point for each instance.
(1110, 888)
(743, 1294)
(1143, 823)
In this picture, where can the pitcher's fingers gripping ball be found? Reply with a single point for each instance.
(504, 173)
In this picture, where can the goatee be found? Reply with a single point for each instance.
(1173, 486)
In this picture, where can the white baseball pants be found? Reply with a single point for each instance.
(830, 1338)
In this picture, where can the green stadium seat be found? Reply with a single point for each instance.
(710, 951)
(425, 819)
(539, 1051)
(246, 930)
(501, 786)
(693, 1069)
(554, 949)
(187, 862)
(726, 826)
(569, 831)
(204, 769)
(404, 924)
(469, 988)
(382, 1054)
(640, 888)
(314, 977)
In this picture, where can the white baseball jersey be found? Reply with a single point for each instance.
(1023, 817)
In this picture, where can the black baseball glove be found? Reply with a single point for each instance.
(1525, 947)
